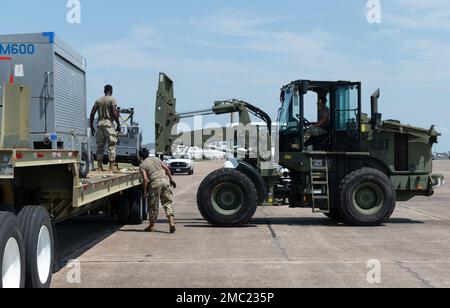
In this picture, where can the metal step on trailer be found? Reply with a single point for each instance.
(320, 182)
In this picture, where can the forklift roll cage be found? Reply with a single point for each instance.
(344, 137)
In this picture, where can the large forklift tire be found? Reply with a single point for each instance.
(227, 197)
(12, 253)
(37, 229)
(136, 202)
(367, 197)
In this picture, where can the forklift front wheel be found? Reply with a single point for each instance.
(227, 197)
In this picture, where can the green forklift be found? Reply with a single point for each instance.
(354, 171)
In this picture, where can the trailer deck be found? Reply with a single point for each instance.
(23, 165)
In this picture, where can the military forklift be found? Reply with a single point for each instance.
(355, 172)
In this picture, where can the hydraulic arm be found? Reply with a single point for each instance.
(167, 118)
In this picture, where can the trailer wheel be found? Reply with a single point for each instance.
(136, 202)
(367, 197)
(12, 253)
(84, 165)
(37, 229)
(227, 197)
(123, 209)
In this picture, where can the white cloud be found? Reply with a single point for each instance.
(233, 22)
(249, 33)
(444, 130)
(420, 15)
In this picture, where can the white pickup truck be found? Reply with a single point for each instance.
(181, 163)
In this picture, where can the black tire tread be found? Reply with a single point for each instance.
(123, 209)
(135, 212)
(8, 219)
(84, 174)
(205, 188)
(366, 171)
(27, 224)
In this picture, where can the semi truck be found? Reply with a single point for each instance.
(44, 158)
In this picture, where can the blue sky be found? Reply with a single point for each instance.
(248, 49)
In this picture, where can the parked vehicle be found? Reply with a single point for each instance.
(181, 163)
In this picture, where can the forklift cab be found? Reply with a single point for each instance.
(341, 131)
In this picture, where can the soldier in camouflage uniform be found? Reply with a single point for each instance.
(106, 107)
(158, 176)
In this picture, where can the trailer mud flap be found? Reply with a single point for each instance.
(6, 164)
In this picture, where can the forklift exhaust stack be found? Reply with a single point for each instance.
(375, 116)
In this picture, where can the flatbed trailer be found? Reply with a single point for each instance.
(39, 188)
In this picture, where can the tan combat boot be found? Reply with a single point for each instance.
(151, 228)
(172, 224)
(100, 163)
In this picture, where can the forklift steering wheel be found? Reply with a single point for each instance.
(306, 122)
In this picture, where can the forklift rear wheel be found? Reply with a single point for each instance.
(367, 198)
(227, 197)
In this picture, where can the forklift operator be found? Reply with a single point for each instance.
(106, 107)
(320, 128)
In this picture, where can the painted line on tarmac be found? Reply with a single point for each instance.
(424, 213)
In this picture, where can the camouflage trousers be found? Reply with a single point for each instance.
(315, 131)
(106, 135)
(161, 193)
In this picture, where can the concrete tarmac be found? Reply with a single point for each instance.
(282, 247)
